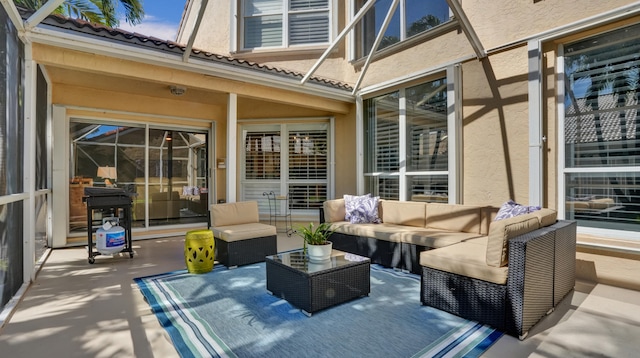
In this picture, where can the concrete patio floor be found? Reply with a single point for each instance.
(74, 309)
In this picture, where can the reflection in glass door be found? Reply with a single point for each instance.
(170, 187)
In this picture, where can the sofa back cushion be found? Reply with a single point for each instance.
(546, 216)
(334, 210)
(242, 212)
(502, 230)
(407, 213)
(452, 217)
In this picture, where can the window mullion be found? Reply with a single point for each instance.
(285, 23)
(403, 20)
(402, 150)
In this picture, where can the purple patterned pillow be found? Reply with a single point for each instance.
(361, 209)
(511, 209)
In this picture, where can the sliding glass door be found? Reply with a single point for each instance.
(164, 169)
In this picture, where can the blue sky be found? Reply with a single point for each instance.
(162, 18)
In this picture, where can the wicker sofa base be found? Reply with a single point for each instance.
(473, 299)
(244, 252)
(385, 253)
(541, 273)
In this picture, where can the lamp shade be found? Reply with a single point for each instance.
(107, 172)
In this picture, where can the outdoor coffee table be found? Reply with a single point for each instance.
(314, 286)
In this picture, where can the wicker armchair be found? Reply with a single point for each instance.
(240, 238)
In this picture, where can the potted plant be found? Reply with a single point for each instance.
(316, 243)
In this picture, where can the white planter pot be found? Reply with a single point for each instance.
(319, 253)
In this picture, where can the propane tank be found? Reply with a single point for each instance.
(110, 237)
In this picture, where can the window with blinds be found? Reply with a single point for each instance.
(283, 23)
(304, 153)
(262, 155)
(422, 168)
(601, 125)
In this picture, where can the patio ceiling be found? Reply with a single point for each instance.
(112, 83)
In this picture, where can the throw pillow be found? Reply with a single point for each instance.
(511, 209)
(349, 204)
(361, 209)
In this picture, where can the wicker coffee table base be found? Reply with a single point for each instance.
(317, 291)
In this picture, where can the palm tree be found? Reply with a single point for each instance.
(98, 11)
(423, 24)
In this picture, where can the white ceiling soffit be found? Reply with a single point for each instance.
(66, 39)
(41, 14)
(194, 33)
(13, 14)
(468, 30)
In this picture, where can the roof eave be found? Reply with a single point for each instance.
(72, 40)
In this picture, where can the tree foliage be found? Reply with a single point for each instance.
(98, 11)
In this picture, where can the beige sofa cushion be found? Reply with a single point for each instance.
(242, 212)
(451, 217)
(407, 213)
(546, 216)
(601, 203)
(382, 231)
(433, 238)
(334, 210)
(243, 231)
(502, 230)
(466, 259)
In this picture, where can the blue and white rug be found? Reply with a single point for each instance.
(228, 313)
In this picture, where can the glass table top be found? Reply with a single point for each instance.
(299, 261)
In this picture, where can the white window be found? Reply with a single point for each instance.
(602, 131)
(412, 17)
(406, 143)
(285, 23)
(286, 159)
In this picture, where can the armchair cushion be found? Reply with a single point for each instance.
(227, 214)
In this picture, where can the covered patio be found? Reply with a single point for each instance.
(97, 79)
(79, 310)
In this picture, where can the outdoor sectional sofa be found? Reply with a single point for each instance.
(507, 273)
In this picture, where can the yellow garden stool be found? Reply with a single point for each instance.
(198, 251)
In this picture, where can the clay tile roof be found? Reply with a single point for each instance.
(136, 39)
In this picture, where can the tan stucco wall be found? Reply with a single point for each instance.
(500, 22)
(213, 34)
(346, 154)
(496, 129)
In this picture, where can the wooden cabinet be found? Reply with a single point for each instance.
(78, 209)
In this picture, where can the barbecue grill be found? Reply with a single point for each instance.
(114, 200)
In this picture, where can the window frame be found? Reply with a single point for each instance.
(566, 171)
(284, 181)
(238, 26)
(452, 75)
(357, 51)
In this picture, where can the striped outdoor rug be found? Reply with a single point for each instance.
(228, 313)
